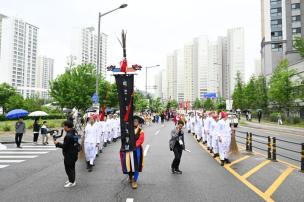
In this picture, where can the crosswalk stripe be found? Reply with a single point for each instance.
(18, 157)
(11, 161)
(20, 152)
(3, 166)
(10, 149)
(28, 146)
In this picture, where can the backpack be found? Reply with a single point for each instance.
(77, 145)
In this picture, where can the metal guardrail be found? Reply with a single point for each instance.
(271, 143)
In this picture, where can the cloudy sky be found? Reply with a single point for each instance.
(155, 28)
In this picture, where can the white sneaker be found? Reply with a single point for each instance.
(67, 182)
(68, 185)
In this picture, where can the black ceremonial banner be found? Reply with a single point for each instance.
(125, 85)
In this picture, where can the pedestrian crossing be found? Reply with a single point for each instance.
(10, 155)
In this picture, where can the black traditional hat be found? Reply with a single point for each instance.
(139, 119)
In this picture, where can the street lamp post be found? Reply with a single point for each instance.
(98, 41)
(146, 87)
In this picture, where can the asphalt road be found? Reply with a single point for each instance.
(203, 179)
(288, 140)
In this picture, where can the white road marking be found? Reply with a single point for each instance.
(146, 150)
(129, 200)
(3, 166)
(11, 161)
(49, 146)
(18, 157)
(157, 132)
(29, 149)
(20, 152)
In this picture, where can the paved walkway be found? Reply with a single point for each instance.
(274, 127)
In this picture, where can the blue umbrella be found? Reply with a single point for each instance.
(16, 113)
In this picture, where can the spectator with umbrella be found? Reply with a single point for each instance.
(20, 125)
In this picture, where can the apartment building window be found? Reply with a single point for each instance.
(276, 23)
(277, 47)
(276, 12)
(276, 35)
(274, 2)
(296, 31)
(295, 6)
(296, 18)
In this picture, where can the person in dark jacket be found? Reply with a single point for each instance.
(70, 153)
(36, 129)
(20, 129)
(177, 145)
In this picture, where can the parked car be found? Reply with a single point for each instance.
(233, 119)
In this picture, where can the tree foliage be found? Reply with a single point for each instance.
(299, 45)
(197, 104)
(208, 104)
(76, 87)
(281, 86)
(6, 91)
(238, 93)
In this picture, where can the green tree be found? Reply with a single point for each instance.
(250, 98)
(33, 104)
(208, 104)
(220, 104)
(238, 93)
(6, 91)
(156, 105)
(299, 45)
(140, 102)
(261, 93)
(197, 103)
(75, 87)
(15, 102)
(281, 86)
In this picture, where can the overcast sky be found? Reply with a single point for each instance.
(155, 28)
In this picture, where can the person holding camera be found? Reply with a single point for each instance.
(177, 145)
(70, 153)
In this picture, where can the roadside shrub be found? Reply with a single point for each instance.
(6, 127)
(273, 117)
(293, 120)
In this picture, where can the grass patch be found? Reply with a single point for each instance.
(6, 126)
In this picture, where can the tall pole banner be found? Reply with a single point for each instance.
(125, 88)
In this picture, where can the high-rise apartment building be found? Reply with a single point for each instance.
(172, 75)
(235, 57)
(84, 48)
(18, 61)
(282, 20)
(204, 66)
(44, 74)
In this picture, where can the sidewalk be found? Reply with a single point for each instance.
(273, 127)
(9, 137)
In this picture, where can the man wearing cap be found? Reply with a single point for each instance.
(91, 141)
(224, 132)
(132, 161)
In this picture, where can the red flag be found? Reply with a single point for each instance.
(102, 115)
(123, 65)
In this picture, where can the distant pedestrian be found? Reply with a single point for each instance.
(20, 129)
(280, 122)
(70, 153)
(44, 133)
(259, 116)
(177, 145)
(36, 129)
